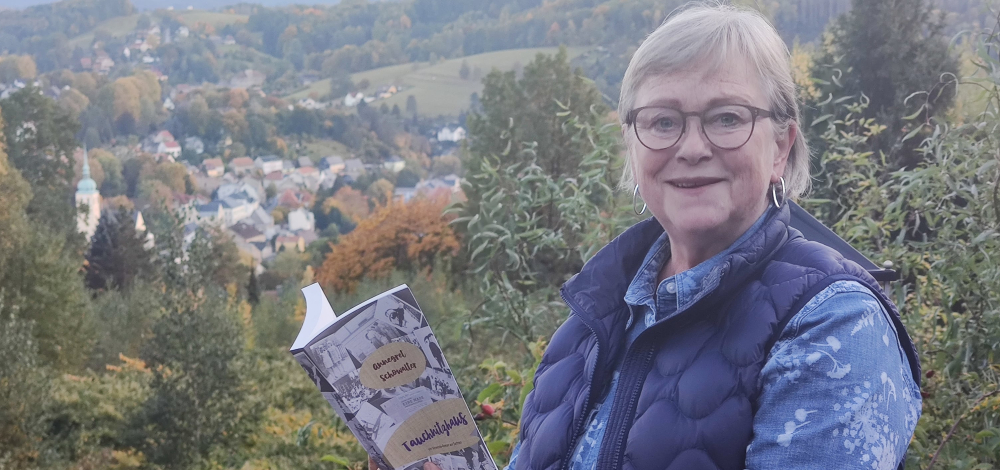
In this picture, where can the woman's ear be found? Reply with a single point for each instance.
(785, 141)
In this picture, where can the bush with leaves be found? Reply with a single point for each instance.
(939, 222)
(200, 398)
(530, 230)
(23, 396)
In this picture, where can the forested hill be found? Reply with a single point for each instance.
(358, 35)
(43, 30)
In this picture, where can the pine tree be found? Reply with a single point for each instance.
(253, 289)
(118, 255)
(889, 50)
(411, 105)
(463, 72)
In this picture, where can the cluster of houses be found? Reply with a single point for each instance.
(239, 201)
(7, 88)
(163, 145)
(385, 91)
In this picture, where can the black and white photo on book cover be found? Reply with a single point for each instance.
(382, 369)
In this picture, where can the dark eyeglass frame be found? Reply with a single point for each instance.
(755, 112)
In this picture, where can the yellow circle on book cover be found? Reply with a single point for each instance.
(439, 428)
(392, 365)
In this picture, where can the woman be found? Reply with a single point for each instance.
(712, 335)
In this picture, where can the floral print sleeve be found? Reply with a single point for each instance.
(837, 389)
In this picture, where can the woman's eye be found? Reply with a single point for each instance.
(664, 123)
(727, 119)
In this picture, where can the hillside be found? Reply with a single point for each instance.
(437, 88)
(122, 25)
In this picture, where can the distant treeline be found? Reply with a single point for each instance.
(358, 35)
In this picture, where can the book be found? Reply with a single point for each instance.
(382, 369)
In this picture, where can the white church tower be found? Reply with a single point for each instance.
(86, 194)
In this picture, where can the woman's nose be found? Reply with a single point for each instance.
(693, 146)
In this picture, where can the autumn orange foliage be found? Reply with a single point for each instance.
(407, 236)
(350, 202)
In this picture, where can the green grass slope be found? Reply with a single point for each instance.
(122, 25)
(438, 88)
(216, 19)
(115, 26)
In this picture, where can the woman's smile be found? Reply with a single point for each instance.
(693, 183)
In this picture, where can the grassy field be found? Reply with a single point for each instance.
(217, 20)
(320, 148)
(124, 24)
(115, 26)
(438, 88)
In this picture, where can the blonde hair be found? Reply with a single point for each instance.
(714, 35)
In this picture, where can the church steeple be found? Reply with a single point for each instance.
(86, 185)
(86, 164)
(87, 195)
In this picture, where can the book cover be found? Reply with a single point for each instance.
(381, 368)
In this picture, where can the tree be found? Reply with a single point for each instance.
(889, 50)
(135, 170)
(173, 175)
(214, 259)
(350, 202)
(40, 278)
(380, 191)
(411, 104)
(114, 183)
(541, 127)
(74, 102)
(253, 288)
(404, 236)
(200, 397)
(340, 83)
(446, 165)
(527, 229)
(40, 144)
(302, 122)
(463, 71)
(117, 257)
(474, 104)
(407, 178)
(529, 110)
(15, 67)
(24, 391)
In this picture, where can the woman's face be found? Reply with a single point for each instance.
(699, 192)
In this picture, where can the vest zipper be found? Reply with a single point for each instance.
(590, 383)
(623, 406)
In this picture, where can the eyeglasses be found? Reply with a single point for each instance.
(727, 127)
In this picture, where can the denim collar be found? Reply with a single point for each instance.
(680, 289)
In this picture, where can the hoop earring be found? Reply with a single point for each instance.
(774, 192)
(635, 194)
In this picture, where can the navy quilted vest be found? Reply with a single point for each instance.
(688, 383)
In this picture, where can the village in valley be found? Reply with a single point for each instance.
(245, 194)
(242, 158)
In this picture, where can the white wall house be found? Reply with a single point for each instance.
(447, 134)
(301, 219)
(269, 164)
